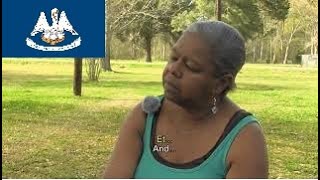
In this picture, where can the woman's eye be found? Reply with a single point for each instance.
(191, 67)
(173, 58)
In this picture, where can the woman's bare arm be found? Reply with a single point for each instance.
(125, 156)
(248, 155)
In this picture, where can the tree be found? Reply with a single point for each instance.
(105, 62)
(93, 68)
(218, 9)
(146, 19)
(148, 29)
(274, 13)
(277, 9)
(124, 15)
(116, 11)
(302, 16)
(272, 32)
(292, 26)
(147, 33)
(310, 20)
(243, 15)
(168, 10)
(160, 22)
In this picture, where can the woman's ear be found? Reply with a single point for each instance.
(223, 83)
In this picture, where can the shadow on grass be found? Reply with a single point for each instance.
(65, 81)
(14, 76)
(127, 84)
(64, 115)
(264, 87)
(36, 80)
(33, 106)
(130, 73)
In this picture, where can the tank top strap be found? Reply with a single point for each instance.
(148, 125)
(229, 139)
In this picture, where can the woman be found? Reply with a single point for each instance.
(197, 131)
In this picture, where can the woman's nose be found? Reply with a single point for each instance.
(175, 68)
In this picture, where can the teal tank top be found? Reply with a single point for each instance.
(213, 167)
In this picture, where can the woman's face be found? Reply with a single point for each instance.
(188, 76)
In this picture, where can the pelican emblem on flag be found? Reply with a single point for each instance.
(53, 34)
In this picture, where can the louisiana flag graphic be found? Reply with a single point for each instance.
(53, 28)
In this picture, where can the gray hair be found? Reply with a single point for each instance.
(227, 44)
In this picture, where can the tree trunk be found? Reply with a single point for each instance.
(254, 53)
(261, 50)
(77, 76)
(164, 51)
(105, 59)
(133, 51)
(311, 47)
(287, 50)
(274, 57)
(218, 9)
(107, 65)
(154, 49)
(108, 56)
(148, 49)
(281, 40)
(293, 31)
(281, 48)
(105, 62)
(286, 54)
(274, 51)
(270, 51)
(314, 42)
(275, 42)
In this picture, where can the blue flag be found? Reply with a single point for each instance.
(53, 28)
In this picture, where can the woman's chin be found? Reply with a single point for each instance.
(172, 97)
(170, 94)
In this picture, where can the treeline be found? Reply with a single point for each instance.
(276, 31)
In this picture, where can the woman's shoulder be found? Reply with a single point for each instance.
(250, 143)
(247, 127)
(134, 121)
(248, 153)
(136, 118)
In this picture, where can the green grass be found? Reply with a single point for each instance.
(49, 133)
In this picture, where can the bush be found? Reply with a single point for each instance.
(93, 68)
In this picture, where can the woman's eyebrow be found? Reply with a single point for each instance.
(192, 59)
(174, 49)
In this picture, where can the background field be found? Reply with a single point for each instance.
(49, 133)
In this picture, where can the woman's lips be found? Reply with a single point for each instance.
(171, 87)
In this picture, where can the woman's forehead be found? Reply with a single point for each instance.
(191, 41)
(191, 44)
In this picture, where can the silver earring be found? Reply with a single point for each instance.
(214, 108)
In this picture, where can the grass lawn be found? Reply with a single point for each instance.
(49, 133)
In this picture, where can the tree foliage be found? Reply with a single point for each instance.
(275, 30)
(277, 9)
(242, 14)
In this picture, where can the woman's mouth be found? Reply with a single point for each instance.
(170, 87)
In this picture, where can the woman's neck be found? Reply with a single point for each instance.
(189, 118)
